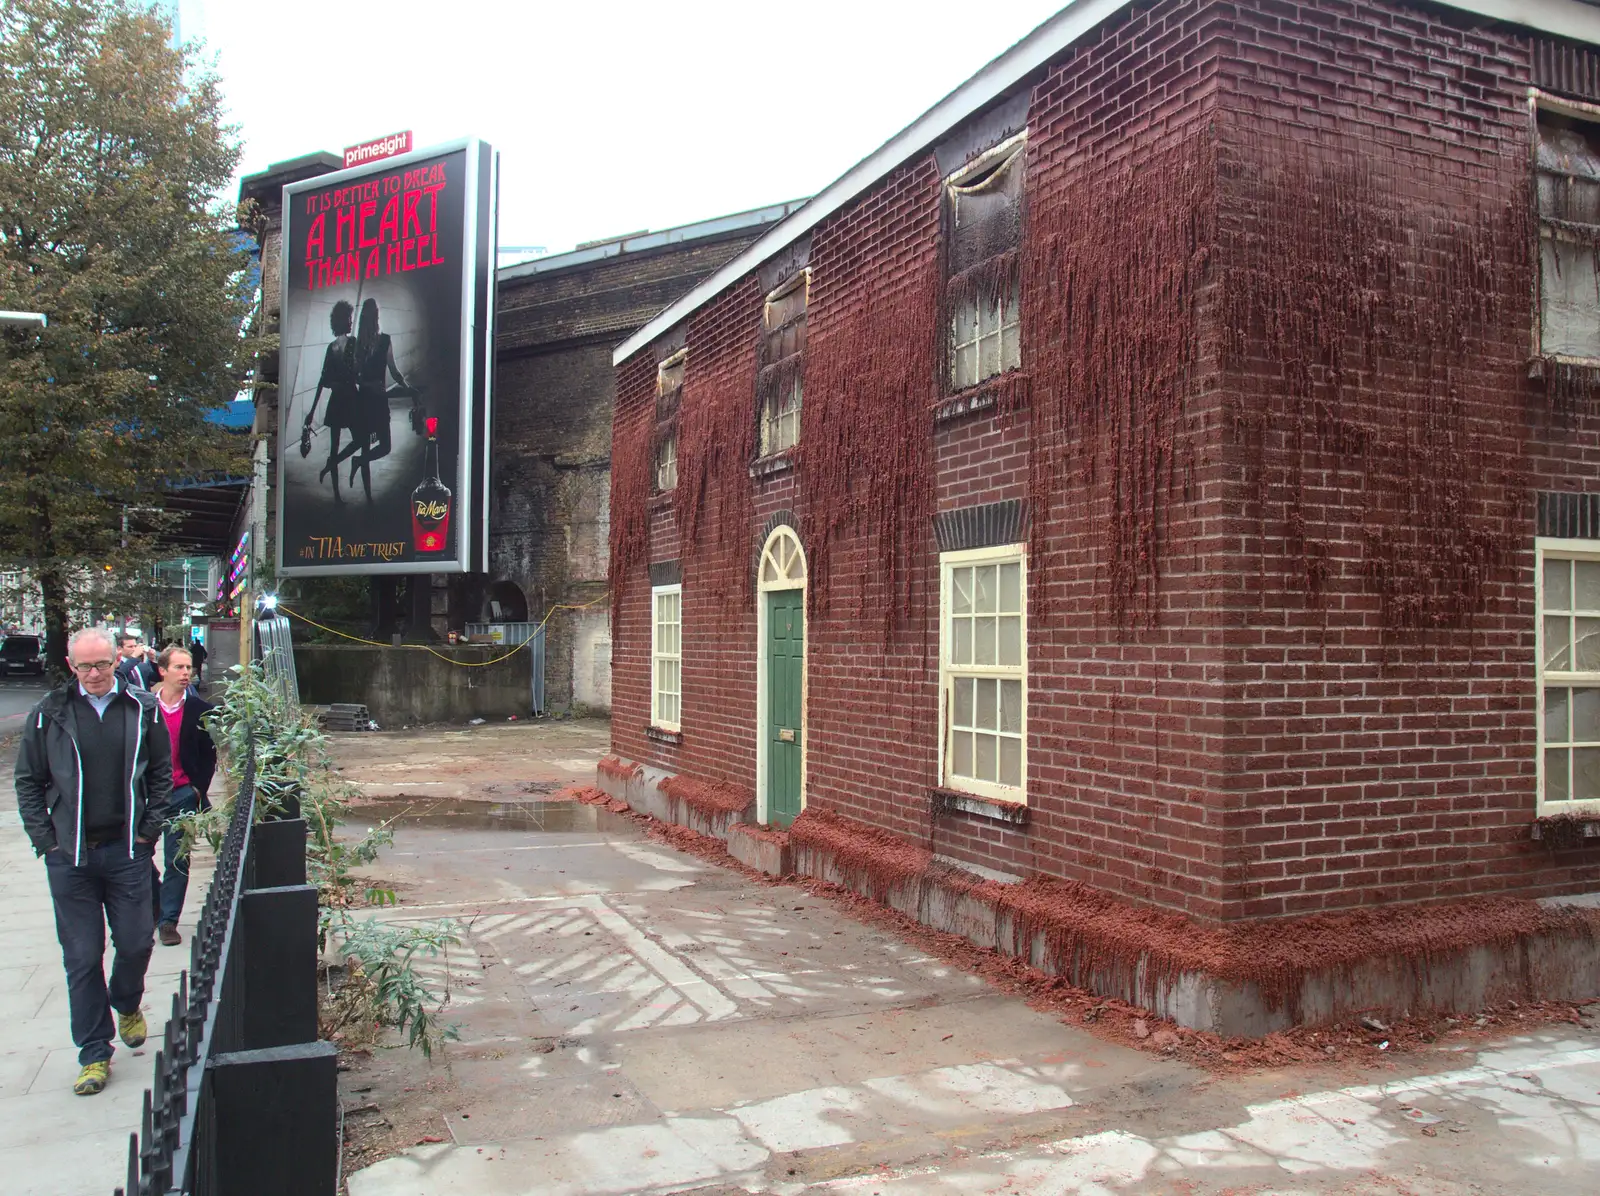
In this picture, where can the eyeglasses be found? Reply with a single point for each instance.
(95, 666)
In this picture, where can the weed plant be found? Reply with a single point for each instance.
(294, 773)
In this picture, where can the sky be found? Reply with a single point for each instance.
(611, 116)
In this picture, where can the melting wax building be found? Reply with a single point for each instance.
(1145, 516)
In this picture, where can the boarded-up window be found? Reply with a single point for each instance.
(781, 373)
(669, 384)
(983, 292)
(1569, 237)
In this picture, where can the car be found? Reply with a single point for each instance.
(22, 654)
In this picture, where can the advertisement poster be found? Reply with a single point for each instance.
(385, 352)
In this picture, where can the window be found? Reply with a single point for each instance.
(669, 394)
(667, 463)
(783, 562)
(983, 291)
(1569, 678)
(985, 339)
(1568, 177)
(782, 363)
(983, 671)
(666, 657)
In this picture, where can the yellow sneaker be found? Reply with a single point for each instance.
(92, 1078)
(131, 1028)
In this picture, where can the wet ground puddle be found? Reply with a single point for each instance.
(550, 817)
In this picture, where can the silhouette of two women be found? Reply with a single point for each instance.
(355, 374)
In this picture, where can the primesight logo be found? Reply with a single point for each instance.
(383, 147)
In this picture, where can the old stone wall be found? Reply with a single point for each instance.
(551, 483)
(407, 686)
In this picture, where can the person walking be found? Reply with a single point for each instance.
(132, 669)
(198, 654)
(194, 762)
(135, 673)
(93, 778)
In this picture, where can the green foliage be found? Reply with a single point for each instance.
(344, 603)
(292, 761)
(113, 149)
(385, 954)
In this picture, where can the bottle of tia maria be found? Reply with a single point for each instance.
(430, 502)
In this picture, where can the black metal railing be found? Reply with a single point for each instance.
(245, 1100)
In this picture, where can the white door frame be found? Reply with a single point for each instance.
(788, 572)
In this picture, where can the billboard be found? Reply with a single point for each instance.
(386, 346)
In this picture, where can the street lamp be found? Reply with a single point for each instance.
(24, 319)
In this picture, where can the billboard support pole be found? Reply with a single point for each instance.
(385, 606)
(419, 626)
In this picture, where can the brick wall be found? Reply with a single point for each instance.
(1281, 609)
(1380, 750)
(1119, 755)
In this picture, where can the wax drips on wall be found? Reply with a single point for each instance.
(1375, 330)
(1115, 263)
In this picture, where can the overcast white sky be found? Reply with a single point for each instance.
(609, 115)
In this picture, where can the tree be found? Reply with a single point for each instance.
(113, 152)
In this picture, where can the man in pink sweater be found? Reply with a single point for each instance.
(194, 762)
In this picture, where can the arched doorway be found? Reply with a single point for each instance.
(781, 678)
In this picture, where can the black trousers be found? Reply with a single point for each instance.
(107, 887)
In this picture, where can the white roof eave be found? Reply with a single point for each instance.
(1565, 18)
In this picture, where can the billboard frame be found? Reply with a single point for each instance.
(480, 214)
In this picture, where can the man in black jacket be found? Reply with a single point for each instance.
(194, 763)
(93, 777)
(134, 669)
(198, 654)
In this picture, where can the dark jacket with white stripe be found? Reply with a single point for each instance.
(49, 776)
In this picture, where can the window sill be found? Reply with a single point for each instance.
(766, 467)
(984, 396)
(660, 501)
(950, 801)
(662, 735)
(1581, 829)
(1537, 365)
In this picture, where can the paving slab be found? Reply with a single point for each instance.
(636, 1020)
(53, 1143)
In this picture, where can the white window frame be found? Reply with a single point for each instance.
(1546, 548)
(949, 672)
(667, 464)
(658, 657)
(999, 322)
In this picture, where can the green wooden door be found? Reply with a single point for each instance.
(786, 664)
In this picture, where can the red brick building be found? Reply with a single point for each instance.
(1171, 464)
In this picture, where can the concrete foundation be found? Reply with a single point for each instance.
(1561, 962)
(644, 789)
(764, 850)
(407, 686)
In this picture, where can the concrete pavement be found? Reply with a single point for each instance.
(635, 1020)
(53, 1143)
